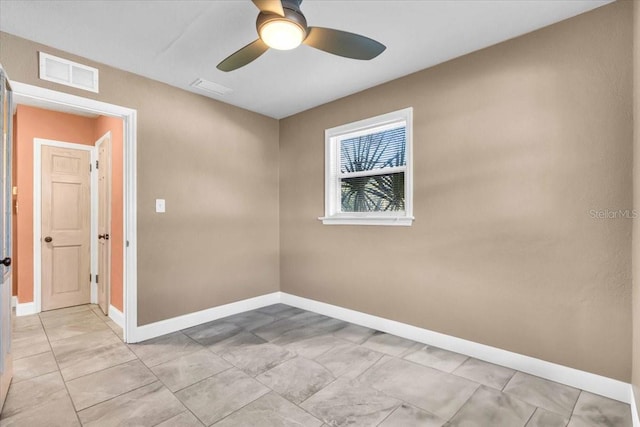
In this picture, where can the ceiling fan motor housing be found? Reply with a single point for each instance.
(292, 14)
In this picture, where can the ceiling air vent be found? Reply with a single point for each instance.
(68, 73)
(211, 87)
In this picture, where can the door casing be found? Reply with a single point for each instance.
(24, 94)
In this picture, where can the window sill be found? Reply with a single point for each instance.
(350, 220)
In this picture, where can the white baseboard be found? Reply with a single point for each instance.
(635, 415)
(174, 324)
(116, 315)
(593, 383)
(25, 309)
(14, 301)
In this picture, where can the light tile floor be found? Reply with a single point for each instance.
(276, 366)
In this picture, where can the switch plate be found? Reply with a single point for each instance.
(160, 206)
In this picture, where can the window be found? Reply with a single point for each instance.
(368, 179)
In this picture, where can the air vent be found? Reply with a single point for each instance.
(211, 87)
(68, 73)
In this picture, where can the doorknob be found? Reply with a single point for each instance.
(103, 236)
(6, 262)
(48, 239)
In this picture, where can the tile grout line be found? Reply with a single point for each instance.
(358, 379)
(64, 383)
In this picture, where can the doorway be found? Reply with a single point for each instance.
(30, 95)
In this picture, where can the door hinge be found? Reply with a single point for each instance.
(90, 277)
(90, 167)
(97, 281)
(97, 164)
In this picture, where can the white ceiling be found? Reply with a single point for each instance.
(177, 42)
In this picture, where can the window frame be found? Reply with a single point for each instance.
(333, 204)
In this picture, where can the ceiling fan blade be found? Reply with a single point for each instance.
(270, 6)
(243, 56)
(342, 43)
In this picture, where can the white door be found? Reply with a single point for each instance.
(66, 226)
(6, 119)
(104, 220)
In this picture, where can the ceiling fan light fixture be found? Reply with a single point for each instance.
(282, 34)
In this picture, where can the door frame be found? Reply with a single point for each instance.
(22, 94)
(38, 143)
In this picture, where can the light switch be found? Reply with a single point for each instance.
(160, 205)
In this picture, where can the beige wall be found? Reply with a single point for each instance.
(217, 168)
(636, 202)
(514, 145)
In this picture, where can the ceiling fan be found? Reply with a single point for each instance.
(281, 25)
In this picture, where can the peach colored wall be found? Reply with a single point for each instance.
(32, 123)
(38, 123)
(104, 124)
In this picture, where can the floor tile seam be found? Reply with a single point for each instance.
(199, 381)
(35, 354)
(371, 367)
(129, 346)
(324, 366)
(77, 313)
(296, 355)
(392, 411)
(88, 352)
(514, 396)
(305, 410)
(308, 397)
(486, 385)
(181, 331)
(110, 367)
(334, 346)
(240, 408)
(463, 405)
(344, 373)
(64, 383)
(13, 380)
(164, 361)
(79, 336)
(46, 402)
(120, 395)
(573, 409)
(207, 378)
(185, 411)
(510, 378)
(233, 412)
(531, 416)
(438, 372)
(73, 324)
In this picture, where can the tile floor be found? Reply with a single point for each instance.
(276, 366)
